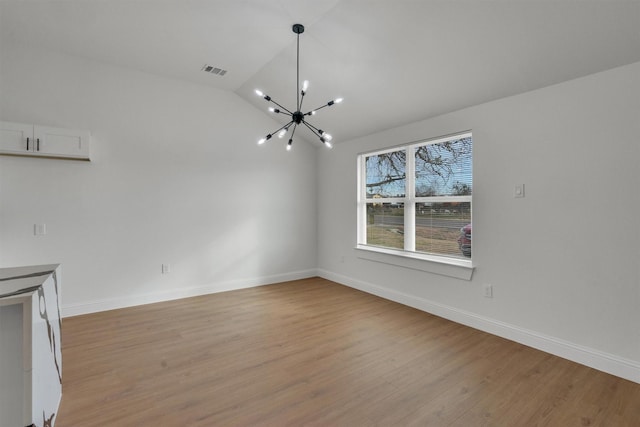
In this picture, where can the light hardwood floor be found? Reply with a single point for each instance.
(312, 352)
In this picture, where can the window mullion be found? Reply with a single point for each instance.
(409, 205)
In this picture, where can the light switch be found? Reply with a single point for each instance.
(518, 191)
(39, 229)
(487, 291)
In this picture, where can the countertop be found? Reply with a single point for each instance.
(21, 280)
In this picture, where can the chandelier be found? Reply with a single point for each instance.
(298, 118)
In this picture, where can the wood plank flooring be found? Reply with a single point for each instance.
(312, 352)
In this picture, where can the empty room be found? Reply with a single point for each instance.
(323, 213)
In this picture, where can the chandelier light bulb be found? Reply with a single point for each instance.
(305, 85)
(289, 145)
(282, 132)
(338, 101)
(263, 140)
(259, 92)
(327, 136)
(328, 144)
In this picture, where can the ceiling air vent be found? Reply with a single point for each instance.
(214, 70)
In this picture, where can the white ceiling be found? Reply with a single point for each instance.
(394, 61)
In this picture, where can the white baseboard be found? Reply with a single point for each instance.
(611, 364)
(130, 301)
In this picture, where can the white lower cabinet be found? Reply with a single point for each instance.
(20, 139)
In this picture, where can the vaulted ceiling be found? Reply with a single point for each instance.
(394, 62)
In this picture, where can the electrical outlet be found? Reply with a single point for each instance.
(518, 191)
(487, 291)
(166, 268)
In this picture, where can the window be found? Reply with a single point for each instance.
(415, 200)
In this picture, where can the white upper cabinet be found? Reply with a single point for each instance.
(16, 138)
(32, 140)
(62, 142)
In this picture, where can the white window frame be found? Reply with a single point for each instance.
(408, 257)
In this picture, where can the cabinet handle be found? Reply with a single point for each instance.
(27, 143)
(38, 146)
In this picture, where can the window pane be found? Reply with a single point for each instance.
(438, 228)
(444, 169)
(385, 225)
(386, 174)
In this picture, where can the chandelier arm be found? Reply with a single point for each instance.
(301, 101)
(285, 109)
(293, 131)
(280, 128)
(313, 129)
(320, 134)
(318, 131)
(313, 111)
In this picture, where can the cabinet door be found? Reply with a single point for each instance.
(16, 138)
(57, 142)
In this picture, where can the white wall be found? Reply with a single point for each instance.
(175, 177)
(563, 261)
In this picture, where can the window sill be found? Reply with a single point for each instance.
(451, 267)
